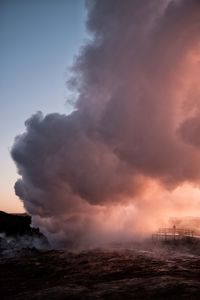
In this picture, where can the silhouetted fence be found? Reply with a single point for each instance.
(164, 234)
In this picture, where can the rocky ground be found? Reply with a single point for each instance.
(30, 270)
(156, 273)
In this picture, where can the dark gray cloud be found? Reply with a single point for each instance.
(130, 124)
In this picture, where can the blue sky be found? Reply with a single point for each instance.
(39, 39)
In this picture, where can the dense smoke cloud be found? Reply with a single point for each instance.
(135, 123)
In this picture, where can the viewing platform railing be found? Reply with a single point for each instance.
(164, 234)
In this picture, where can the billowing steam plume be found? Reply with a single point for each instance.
(132, 144)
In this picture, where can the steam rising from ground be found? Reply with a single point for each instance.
(128, 156)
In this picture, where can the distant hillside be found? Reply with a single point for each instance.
(12, 224)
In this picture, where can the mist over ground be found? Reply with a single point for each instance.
(139, 270)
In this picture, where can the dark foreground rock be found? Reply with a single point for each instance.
(17, 235)
(112, 274)
(16, 224)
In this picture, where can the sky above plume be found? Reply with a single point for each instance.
(128, 156)
(39, 40)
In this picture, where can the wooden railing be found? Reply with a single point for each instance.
(174, 234)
